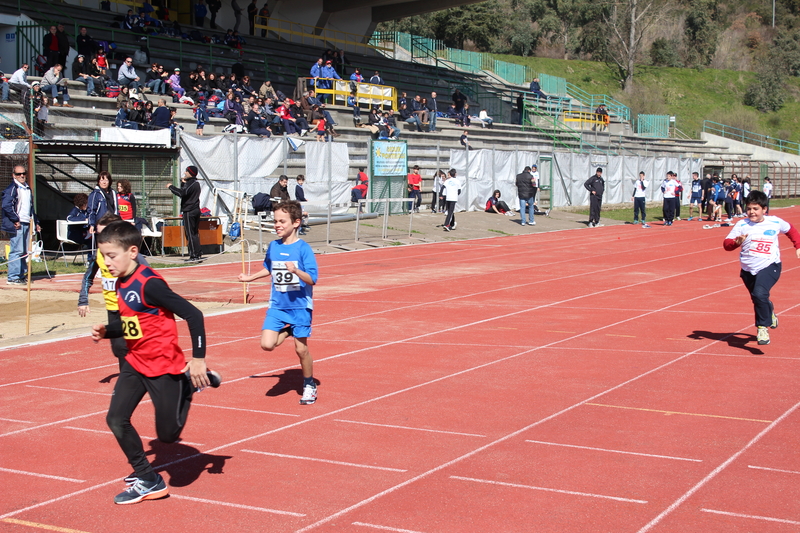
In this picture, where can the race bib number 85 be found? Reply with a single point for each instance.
(131, 328)
(282, 279)
(760, 247)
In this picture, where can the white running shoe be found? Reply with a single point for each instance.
(309, 395)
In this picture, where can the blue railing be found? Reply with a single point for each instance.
(749, 137)
(615, 107)
(652, 125)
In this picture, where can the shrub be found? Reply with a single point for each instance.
(767, 93)
(664, 53)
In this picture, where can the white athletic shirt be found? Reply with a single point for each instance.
(768, 189)
(535, 180)
(638, 191)
(668, 188)
(451, 187)
(760, 249)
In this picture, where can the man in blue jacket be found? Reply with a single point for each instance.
(18, 213)
(329, 72)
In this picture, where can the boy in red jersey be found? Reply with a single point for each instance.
(155, 364)
(760, 257)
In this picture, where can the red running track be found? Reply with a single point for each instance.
(591, 380)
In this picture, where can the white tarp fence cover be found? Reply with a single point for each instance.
(366, 93)
(620, 173)
(327, 166)
(121, 135)
(486, 171)
(13, 147)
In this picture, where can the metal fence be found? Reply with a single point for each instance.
(652, 125)
(749, 137)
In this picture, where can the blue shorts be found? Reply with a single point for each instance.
(696, 200)
(299, 319)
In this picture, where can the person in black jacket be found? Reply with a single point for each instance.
(596, 186)
(189, 193)
(527, 196)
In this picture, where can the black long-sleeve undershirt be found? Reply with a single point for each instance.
(158, 294)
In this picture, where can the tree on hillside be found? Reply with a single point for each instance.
(627, 21)
(767, 93)
(701, 31)
(563, 19)
(785, 52)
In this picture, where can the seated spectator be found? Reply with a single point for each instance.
(127, 76)
(126, 205)
(279, 192)
(485, 119)
(465, 141)
(391, 129)
(136, 114)
(419, 109)
(154, 80)
(121, 120)
(160, 117)
(77, 233)
(403, 99)
(233, 110)
(463, 118)
(17, 82)
(246, 88)
(133, 22)
(297, 113)
(54, 83)
(452, 112)
(80, 72)
(407, 116)
(496, 205)
(257, 124)
(359, 192)
(175, 84)
(266, 90)
(537, 90)
(123, 98)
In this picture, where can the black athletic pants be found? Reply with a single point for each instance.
(759, 285)
(669, 209)
(450, 219)
(595, 201)
(118, 345)
(171, 396)
(191, 226)
(639, 209)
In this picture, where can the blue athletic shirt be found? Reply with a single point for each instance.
(289, 291)
(697, 189)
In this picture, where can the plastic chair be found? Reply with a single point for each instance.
(153, 234)
(62, 230)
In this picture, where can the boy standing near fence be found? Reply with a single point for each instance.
(293, 268)
(760, 257)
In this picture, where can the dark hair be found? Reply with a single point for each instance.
(301, 177)
(105, 174)
(452, 173)
(80, 199)
(108, 218)
(283, 177)
(292, 208)
(496, 192)
(758, 198)
(121, 233)
(126, 186)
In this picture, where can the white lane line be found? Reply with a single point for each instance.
(17, 421)
(773, 469)
(615, 451)
(547, 489)
(235, 505)
(46, 476)
(755, 517)
(677, 503)
(386, 528)
(69, 390)
(240, 409)
(55, 375)
(57, 422)
(412, 429)
(342, 463)
(143, 437)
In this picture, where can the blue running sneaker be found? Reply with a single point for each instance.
(139, 490)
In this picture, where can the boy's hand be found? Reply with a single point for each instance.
(98, 332)
(740, 239)
(244, 277)
(197, 372)
(797, 252)
(83, 310)
(291, 266)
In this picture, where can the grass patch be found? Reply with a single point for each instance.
(500, 232)
(57, 267)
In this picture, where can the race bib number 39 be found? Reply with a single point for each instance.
(131, 328)
(282, 279)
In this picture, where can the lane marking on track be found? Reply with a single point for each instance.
(547, 489)
(57, 422)
(683, 339)
(240, 409)
(41, 526)
(56, 375)
(773, 469)
(317, 460)
(559, 331)
(679, 413)
(755, 517)
(46, 476)
(677, 503)
(501, 327)
(386, 528)
(143, 437)
(235, 505)
(615, 451)
(618, 335)
(410, 428)
(69, 390)
(17, 421)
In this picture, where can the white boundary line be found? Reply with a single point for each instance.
(235, 505)
(16, 421)
(410, 428)
(106, 394)
(46, 476)
(615, 451)
(317, 460)
(57, 375)
(772, 469)
(143, 437)
(386, 528)
(240, 409)
(547, 489)
(756, 517)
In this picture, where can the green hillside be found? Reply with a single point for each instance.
(691, 95)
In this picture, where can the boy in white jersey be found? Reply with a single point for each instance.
(768, 191)
(293, 267)
(760, 257)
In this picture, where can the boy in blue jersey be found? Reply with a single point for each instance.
(698, 197)
(293, 268)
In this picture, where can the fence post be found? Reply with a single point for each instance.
(235, 161)
(285, 151)
(466, 176)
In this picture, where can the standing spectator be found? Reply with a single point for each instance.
(524, 182)
(299, 192)
(535, 184)
(640, 200)
(415, 188)
(63, 44)
(19, 81)
(717, 196)
(352, 101)
(376, 79)
(459, 99)
(237, 13)
(127, 76)
(437, 203)
(32, 101)
(357, 77)
(696, 199)
(189, 193)
(50, 47)
(18, 213)
(3, 87)
(328, 74)
(42, 112)
(767, 190)
(252, 11)
(669, 190)
(54, 82)
(433, 108)
(80, 72)
(707, 185)
(596, 187)
(200, 12)
(316, 72)
(102, 200)
(520, 109)
(452, 189)
(602, 116)
(465, 140)
(214, 6)
(263, 18)
(127, 205)
(85, 44)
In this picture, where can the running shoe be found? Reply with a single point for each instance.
(645, 225)
(763, 335)
(139, 489)
(774, 324)
(309, 395)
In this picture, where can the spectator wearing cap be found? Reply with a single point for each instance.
(189, 193)
(328, 74)
(80, 72)
(175, 83)
(127, 76)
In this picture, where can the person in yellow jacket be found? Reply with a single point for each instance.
(97, 264)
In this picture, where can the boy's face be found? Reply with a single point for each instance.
(120, 262)
(755, 213)
(284, 225)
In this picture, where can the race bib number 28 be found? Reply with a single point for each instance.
(282, 279)
(131, 328)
